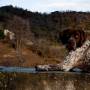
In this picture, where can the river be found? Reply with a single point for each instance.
(18, 78)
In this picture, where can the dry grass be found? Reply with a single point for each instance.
(41, 52)
(52, 53)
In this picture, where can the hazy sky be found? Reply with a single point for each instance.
(49, 5)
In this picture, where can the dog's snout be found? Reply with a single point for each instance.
(71, 40)
(71, 45)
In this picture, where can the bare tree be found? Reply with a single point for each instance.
(21, 28)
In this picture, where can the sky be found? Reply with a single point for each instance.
(49, 5)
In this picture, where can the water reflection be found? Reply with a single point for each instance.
(44, 81)
(70, 85)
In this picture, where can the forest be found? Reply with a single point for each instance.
(43, 25)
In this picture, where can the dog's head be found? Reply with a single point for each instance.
(72, 38)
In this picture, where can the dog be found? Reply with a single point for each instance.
(78, 47)
(72, 39)
(78, 58)
(10, 37)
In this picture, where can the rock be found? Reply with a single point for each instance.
(77, 70)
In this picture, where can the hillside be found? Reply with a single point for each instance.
(42, 24)
(37, 35)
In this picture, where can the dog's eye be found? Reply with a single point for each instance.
(76, 36)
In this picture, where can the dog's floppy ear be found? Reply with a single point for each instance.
(82, 37)
(64, 35)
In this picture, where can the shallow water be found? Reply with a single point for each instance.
(31, 80)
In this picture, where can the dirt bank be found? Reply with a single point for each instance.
(9, 57)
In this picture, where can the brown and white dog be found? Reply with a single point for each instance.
(78, 58)
(72, 39)
(78, 47)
